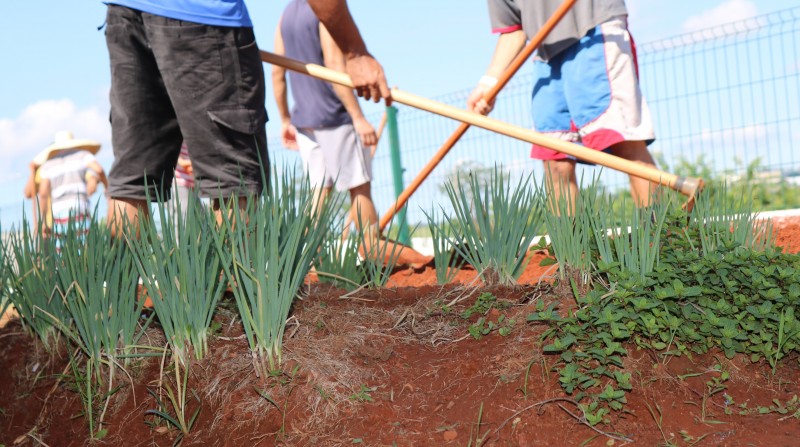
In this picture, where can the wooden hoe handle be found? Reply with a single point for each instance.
(378, 134)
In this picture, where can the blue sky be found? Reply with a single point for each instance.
(55, 66)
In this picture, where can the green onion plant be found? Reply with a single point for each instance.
(377, 259)
(97, 283)
(360, 259)
(635, 249)
(5, 276)
(272, 244)
(445, 259)
(570, 228)
(181, 269)
(721, 218)
(338, 261)
(32, 261)
(496, 222)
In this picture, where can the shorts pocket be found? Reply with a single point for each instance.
(246, 121)
(189, 57)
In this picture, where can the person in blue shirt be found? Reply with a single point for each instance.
(190, 71)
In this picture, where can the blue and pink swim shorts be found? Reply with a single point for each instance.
(589, 93)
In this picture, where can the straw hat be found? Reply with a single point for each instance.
(65, 141)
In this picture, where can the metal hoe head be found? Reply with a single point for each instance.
(690, 187)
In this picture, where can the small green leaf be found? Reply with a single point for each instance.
(548, 261)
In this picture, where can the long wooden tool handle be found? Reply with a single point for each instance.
(378, 134)
(686, 185)
(509, 73)
(525, 54)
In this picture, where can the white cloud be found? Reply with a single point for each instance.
(24, 136)
(726, 12)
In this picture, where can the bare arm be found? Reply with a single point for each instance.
(29, 191)
(508, 47)
(366, 73)
(101, 174)
(40, 208)
(279, 88)
(334, 59)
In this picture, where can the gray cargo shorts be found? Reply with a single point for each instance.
(174, 81)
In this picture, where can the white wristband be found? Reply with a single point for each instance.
(487, 81)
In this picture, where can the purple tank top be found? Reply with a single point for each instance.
(315, 103)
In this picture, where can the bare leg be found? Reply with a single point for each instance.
(560, 180)
(364, 214)
(319, 196)
(123, 212)
(362, 209)
(642, 190)
(217, 207)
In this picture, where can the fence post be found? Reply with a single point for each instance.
(397, 170)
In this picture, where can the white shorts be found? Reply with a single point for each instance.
(334, 156)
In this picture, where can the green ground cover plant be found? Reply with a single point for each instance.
(708, 280)
(484, 326)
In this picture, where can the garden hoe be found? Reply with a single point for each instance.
(688, 186)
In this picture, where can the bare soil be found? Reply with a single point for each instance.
(392, 367)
